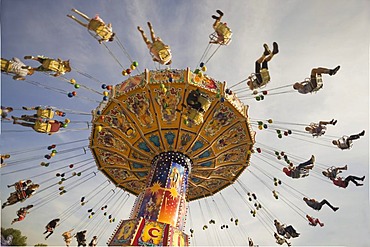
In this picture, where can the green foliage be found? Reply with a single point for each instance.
(18, 239)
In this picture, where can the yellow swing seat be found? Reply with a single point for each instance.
(6, 65)
(45, 113)
(221, 30)
(204, 101)
(42, 127)
(265, 79)
(103, 32)
(53, 65)
(195, 116)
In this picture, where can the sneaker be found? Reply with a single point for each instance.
(335, 209)
(334, 71)
(363, 178)
(14, 120)
(254, 196)
(362, 133)
(220, 12)
(275, 49)
(267, 50)
(312, 159)
(333, 121)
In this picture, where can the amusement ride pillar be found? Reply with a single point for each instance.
(159, 213)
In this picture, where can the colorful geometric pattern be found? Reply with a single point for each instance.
(145, 116)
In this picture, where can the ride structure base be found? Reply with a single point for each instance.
(142, 232)
(159, 212)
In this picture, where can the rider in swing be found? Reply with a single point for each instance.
(58, 66)
(318, 129)
(346, 141)
(262, 76)
(223, 32)
(21, 213)
(16, 67)
(315, 82)
(21, 194)
(103, 31)
(160, 52)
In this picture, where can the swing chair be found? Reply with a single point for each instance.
(19, 191)
(45, 113)
(195, 116)
(319, 83)
(102, 33)
(6, 65)
(314, 131)
(222, 35)
(342, 142)
(254, 82)
(57, 66)
(204, 102)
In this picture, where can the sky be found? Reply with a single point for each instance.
(309, 33)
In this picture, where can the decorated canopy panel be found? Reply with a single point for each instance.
(172, 110)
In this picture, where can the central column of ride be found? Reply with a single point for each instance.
(159, 213)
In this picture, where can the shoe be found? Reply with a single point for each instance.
(334, 71)
(220, 12)
(28, 57)
(275, 49)
(24, 108)
(215, 17)
(267, 50)
(359, 184)
(140, 29)
(312, 159)
(362, 133)
(335, 209)
(335, 122)
(345, 167)
(321, 224)
(363, 178)
(254, 196)
(9, 186)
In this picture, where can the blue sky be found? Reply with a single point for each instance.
(309, 33)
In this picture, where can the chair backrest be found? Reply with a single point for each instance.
(42, 127)
(319, 83)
